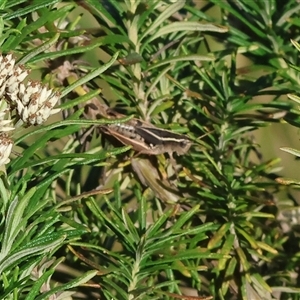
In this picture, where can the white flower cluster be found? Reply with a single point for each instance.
(5, 148)
(37, 102)
(30, 102)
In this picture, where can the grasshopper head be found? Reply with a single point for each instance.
(183, 146)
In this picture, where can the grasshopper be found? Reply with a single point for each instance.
(145, 138)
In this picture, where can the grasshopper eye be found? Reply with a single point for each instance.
(183, 144)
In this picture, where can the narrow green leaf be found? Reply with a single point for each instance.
(291, 151)
(45, 46)
(15, 221)
(180, 58)
(11, 260)
(218, 236)
(101, 10)
(130, 227)
(229, 273)
(163, 16)
(71, 284)
(80, 100)
(185, 26)
(185, 217)
(187, 254)
(226, 249)
(29, 8)
(90, 76)
(157, 226)
(36, 288)
(68, 122)
(4, 195)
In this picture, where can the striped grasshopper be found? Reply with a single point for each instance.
(146, 138)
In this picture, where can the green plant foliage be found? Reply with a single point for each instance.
(84, 217)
